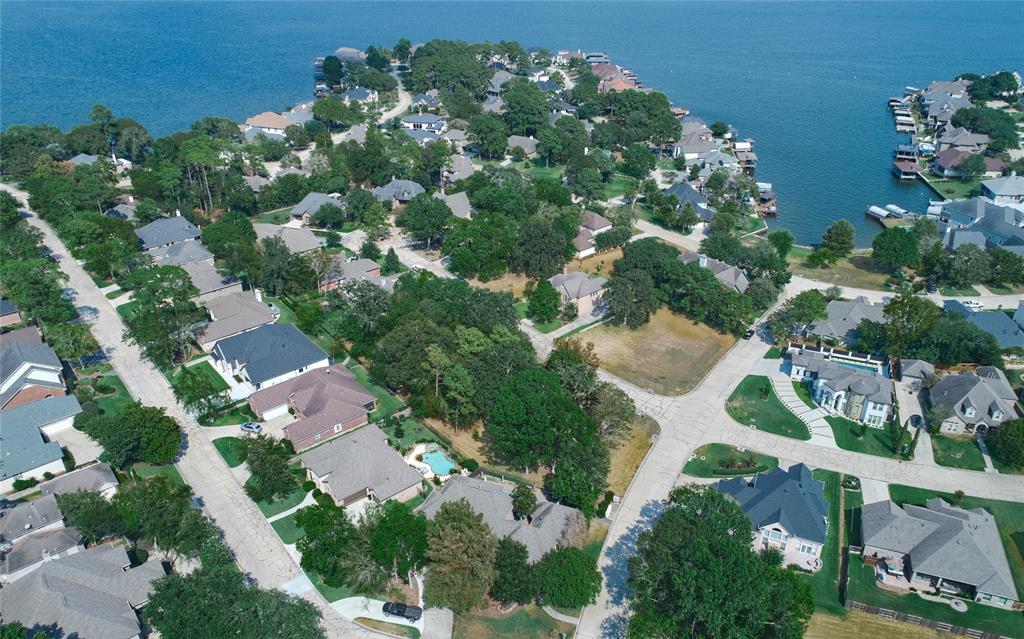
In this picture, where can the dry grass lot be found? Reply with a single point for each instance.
(598, 264)
(858, 271)
(860, 625)
(509, 282)
(670, 354)
(626, 457)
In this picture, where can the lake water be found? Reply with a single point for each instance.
(808, 81)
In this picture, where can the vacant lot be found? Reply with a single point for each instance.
(626, 457)
(507, 283)
(858, 271)
(670, 354)
(598, 264)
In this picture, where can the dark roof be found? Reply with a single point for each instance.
(686, 193)
(16, 353)
(167, 230)
(791, 498)
(269, 351)
(7, 307)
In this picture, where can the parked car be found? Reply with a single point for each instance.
(748, 334)
(916, 421)
(399, 609)
(932, 287)
(973, 304)
(251, 427)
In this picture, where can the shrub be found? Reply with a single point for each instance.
(47, 475)
(288, 447)
(102, 388)
(317, 492)
(605, 502)
(470, 464)
(22, 484)
(308, 486)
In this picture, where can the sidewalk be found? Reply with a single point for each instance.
(820, 429)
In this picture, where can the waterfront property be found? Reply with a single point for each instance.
(326, 402)
(981, 222)
(268, 122)
(845, 385)
(267, 355)
(939, 548)
(1008, 331)
(1004, 190)
(975, 402)
(732, 277)
(842, 318)
(689, 195)
(787, 510)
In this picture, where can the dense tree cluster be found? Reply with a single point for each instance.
(136, 433)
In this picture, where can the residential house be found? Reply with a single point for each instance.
(359, 95)
(715, 159)
(565, 57)
(29, 369)
(961, 139)
(459, 167)
(947, 164)
(255, 136)
(397, 191)
(537, 74)
(298, 240)
(92, 594)
(9, 315)
(25, 518)
(360, 468)
(1008, 331)
(326, 402)
(550, 526)
(96, 477)
(300, 113)
(695, 138)
(166, 231)
(124, 209)
(842, 318)
(841, 388)
(786, 509)
(255, 182)
(938, 546)
(458, 203)
(593, 225)
(457, 138)
(356, 269)
(1004, 190)
(356, 134)
(732, 277)
(32, 532)
(309, 205)
(938, 109)
(180, 254)
(28, 451)
(493, 104)
(498, 81)
(527, 144)
(350, 54)
(426, 100)
(689, 195)
(233, 314)
(83, 158)
(549, 86)
(268, 122)
(267, 355)
(580, 289)
(915, 372)
(209, 281)
(981, 222)
(429, 122)
(975, 402)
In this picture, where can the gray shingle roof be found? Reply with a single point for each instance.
(298, 240)
(15, 354)
(207, 278)
(234, 313)
(1007, 186)
(687, 194)
(88, 595)
(980, 392)
(269, 351)
(83, 158)
(458, 203)
(917, 368)
(577, 284)
(33, 549)
(166, 230)
(843, 316)
(94, 477)
(942, 540)
(401, 190)
(27, 517)
(844, 378)
(312, 203)
(791, 498)
(180, 254)
(21, 444)
(729, 275)
(361, 460)
(545, 531)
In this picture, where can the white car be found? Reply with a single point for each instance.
(973, 304)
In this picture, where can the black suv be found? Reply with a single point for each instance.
(397, 609)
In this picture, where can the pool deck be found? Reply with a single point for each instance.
(426, 469)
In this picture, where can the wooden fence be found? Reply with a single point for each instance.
(895, 615)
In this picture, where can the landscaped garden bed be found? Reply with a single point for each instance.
(722, 460)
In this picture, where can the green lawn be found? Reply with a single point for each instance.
(722, 460)
(953, 291)
(547, 327)
(240, 414)
(287, 314)
(804, 393)
(825, 583)
(279, 216)
(541, 171)
(146, 470)
(1005, 468)
(750, 405)
(751, 224)
(876, 441)
(231, 449)
(287, 529)
(773, 353)
(954, 189)
(528, 622)
(206, 368)
(413, 433)
(522, 309)
(126, 311)
(862, 588)
(1009, 519)
(957, 452)
(387, 404)
(293, 499)
(330, 593)
(617, 185)
(114, 404)
(115, 294)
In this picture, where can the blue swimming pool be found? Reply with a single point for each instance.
(438, 460)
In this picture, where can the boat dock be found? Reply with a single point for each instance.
(891, 216)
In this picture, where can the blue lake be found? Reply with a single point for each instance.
(808, 81)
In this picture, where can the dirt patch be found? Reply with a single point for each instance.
(599, 264)
(670, 354)
(507, 283)
(626, 458)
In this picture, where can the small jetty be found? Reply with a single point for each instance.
(766, 200)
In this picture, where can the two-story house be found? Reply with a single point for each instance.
(267, 355)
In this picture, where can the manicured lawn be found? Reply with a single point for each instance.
(955, 189)
(413, 433)
(751, 224)
(146, 470)
(858, 270)
(115, 403)
(541, 171)
(804, 394)
(231, 449)
(522, 309)
(825, 583)
(862, 588)
(279, 216)
(1005, 290)
(547, 327)
(722, 460)
(387, 404)
(957, 452)
(749, 405)
(617, 185)
(854, 500)
(670, 354)
(237, 415)
(626, 457)
(390, 628)
(293, 499)
(580, 329)
(287, 314)
(115, 294)
(330, 593)
(527, 622)
(876, 441)
(1009, 519)
(593, 541)
(953, 291)
(773, 353)
(216, 381)
(1003, 467)
(126, 311)
(287, 529)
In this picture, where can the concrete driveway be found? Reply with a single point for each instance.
(355, 607)
(83, 447)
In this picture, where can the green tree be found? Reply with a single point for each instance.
(137, 433)
(369, 250)
(399, 539)
(718, 129)
(526, 106)
(515, 580)
(587, 184)
(268, 462)
(690, 565)
(159, 511)
(164, 313)
(426, 218)
(631, 298)
(1008, 443)
(91, 514)
(198, 394)
(782, 240)
(895, 247)
(972, 167)
(541, 249)
(524, 501)
(580, 475)
(838, 238)
(391, 263)
(544, 302)
(613, 410)
(487, 131)
(908, 318)
(688, 217)
(638, 161)
(568, 578)
(326, 533)
(968, 265)
(70, 341)
(1005, 267)
(461, 549)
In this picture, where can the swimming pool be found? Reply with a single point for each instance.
(438, 460)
